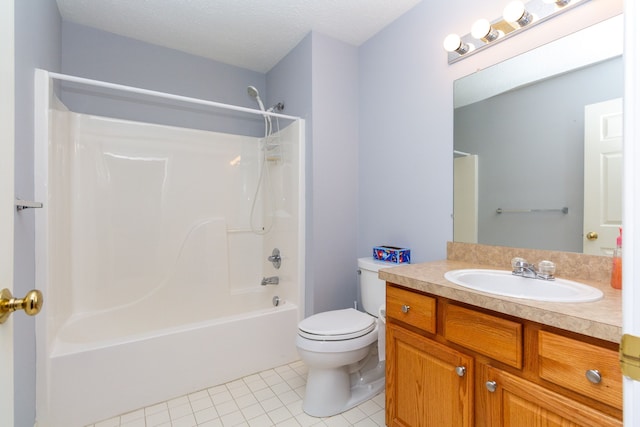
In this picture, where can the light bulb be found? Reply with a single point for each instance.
(453, 43)
(482, 30)
(516, 13)
(513, 11)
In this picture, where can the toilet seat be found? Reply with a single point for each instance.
(337, 325)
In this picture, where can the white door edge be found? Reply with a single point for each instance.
(7, 200)
(631, 209)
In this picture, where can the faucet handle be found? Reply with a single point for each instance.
(518, 262)
(546, 269)
(275, 258)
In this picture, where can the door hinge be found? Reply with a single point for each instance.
(630, 356)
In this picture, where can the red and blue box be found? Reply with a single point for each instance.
(392, 254)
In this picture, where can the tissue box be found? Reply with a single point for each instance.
(392, 254)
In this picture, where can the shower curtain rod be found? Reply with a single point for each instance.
(132, 89)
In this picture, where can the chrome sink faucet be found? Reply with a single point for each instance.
(545, 271)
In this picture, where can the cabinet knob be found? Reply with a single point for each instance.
(405, 308)
(593, 375)
(461, 370)
(492, 386)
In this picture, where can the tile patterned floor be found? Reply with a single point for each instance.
(270, 398)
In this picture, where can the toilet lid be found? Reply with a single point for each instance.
(337, 325)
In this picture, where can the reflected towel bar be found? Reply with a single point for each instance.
(564, 210)
(461, 153)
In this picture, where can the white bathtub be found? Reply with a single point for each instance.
(95, 380)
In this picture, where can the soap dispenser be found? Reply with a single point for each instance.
(616, 269)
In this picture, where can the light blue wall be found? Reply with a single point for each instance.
(95, 54)
(318, 81)
(37, 45)
(335, 175)
(405, 163)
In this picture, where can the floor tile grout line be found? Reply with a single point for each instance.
(288, 378)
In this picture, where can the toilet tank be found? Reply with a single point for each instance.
(372, 289)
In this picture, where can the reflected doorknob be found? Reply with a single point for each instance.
(592, 235)
(31, 303)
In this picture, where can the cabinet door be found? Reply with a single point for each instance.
(428, 384)
(516, 402)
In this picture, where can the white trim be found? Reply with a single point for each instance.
(587, 46)
(302, 218)
(7, 203)
(42, 89)
(631, 208)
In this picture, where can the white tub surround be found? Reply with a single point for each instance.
(152, 246)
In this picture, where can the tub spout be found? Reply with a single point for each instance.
(273, 280)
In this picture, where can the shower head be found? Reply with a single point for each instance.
(253, 92)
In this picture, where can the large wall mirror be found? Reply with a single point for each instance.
(538, 146)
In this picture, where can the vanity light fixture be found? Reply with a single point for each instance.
(559, 3)
(517, 17)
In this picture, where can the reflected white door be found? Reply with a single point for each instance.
(602, 176)
(7, 202)
(465, 199)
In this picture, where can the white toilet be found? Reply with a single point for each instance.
(344, 349)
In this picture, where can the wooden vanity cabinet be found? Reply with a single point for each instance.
(512, 401)
(450, 364)
(428, 384)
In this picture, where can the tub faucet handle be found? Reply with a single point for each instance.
(275, 258)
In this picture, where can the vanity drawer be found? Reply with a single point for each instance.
(412, 308)
(567, 362)
(497, 338)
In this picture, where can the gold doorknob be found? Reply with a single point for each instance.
(592, 235)
(31, 303)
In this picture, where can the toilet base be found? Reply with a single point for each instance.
(331, 392)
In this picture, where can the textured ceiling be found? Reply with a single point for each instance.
(252, 34)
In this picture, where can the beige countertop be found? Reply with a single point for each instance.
(600, 319)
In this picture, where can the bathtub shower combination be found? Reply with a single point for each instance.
(152, 254)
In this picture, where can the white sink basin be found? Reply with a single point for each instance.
(501, 282)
